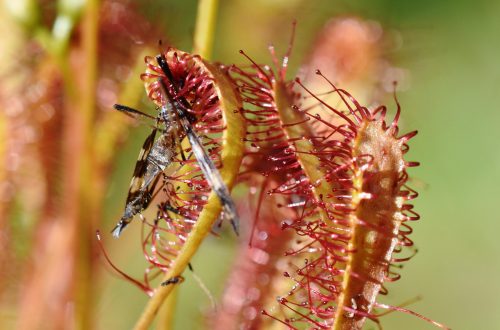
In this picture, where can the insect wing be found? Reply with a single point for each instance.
(137, 184)
(212, 175)
(139, 194)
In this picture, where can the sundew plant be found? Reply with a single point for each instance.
(316, 164)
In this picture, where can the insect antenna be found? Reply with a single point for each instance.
(129, 111)
(135, 114)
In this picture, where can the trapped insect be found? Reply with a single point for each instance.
(157, 155)
(154, 157)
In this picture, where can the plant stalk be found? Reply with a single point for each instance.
(204, 32)
(88, 199)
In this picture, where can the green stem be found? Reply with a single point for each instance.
(205, 28)
(167, 312)
(198, 234)
(88, 198)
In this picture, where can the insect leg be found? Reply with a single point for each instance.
(173, 280)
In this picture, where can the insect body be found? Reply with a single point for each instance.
(154, 157)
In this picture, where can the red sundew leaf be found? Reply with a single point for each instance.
(212, 104)
(374, 195)
(375, 221)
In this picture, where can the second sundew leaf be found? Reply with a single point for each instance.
(301, 135)
(292, 159)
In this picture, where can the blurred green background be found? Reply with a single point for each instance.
(450, 50)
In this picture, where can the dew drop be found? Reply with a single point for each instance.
(282, 300)
(262, 236)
